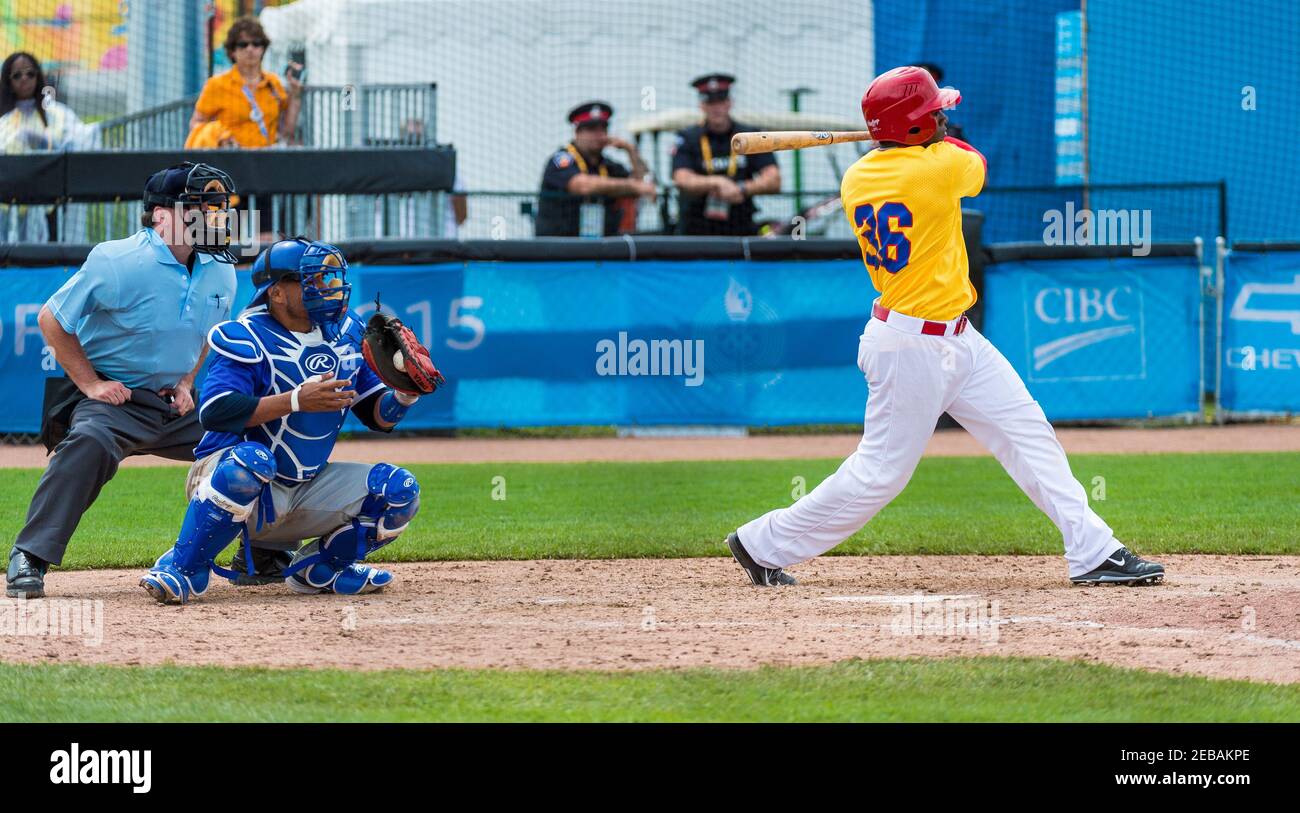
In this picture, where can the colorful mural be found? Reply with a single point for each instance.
(86, 34)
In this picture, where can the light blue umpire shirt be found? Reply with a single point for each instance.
(140, 315)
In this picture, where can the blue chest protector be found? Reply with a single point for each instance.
(257, 356)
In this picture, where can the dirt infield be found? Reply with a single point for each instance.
(947, 442)
(1218, 616)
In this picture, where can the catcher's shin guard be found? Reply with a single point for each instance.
(221, 504)
(331, 563)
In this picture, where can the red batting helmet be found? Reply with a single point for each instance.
(898, 104)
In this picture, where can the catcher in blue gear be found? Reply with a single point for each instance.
(283, 377)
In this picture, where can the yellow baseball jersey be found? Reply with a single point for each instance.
(904, 205)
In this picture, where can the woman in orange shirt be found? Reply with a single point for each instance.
(246, 106)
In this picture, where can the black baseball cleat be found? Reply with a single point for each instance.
(26, 575)
(759, 575)
(268, 566)
(1123, 567)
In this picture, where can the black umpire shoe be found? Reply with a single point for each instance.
(759, 575)
(268, 566)
(26, 575)
(1123, 567)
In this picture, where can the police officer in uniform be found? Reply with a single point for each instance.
(718, 188)
(585, 194)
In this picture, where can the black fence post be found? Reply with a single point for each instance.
(1223, 209)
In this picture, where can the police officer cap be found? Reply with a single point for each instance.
(590, 113)
(714, 87)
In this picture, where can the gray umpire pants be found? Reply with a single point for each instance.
(100, 435)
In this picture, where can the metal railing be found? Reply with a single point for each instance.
(369, 116)
(332, 116)
(158, 128)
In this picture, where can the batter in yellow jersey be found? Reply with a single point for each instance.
(905, 207)
(921, 357)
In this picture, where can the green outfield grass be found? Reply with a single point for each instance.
(971, 689)
(1177, 503)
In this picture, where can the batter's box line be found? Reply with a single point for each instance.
(1284, 643)
(682, 626)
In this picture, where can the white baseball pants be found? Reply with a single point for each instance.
(912, 380)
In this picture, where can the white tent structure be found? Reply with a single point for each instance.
(508, 71)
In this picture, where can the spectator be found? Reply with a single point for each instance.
(583, 193)
(717, 186)
(458, 210)
(246, 106)
(31, 120)
(456, 203)
(934, 70)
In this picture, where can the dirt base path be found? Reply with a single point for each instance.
(1235, 617)
(946, 442)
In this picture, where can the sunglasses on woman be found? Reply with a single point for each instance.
(27, 74)
(242, 44)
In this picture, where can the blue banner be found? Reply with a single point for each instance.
(1260, 364)
(528, 344)
(1100, 338)
(25, 360)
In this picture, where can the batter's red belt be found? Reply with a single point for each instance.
(911, 324)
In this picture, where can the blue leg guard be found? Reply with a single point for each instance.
(216, 515)
(331, 564)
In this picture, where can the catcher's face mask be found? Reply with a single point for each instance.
(325, 289)
(320, 270)
(204, 192)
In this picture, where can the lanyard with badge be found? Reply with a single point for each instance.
(255, 114)
(591, 214)
(715, 208)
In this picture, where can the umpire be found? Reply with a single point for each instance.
(129, 329)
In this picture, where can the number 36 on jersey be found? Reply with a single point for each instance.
(885, 233)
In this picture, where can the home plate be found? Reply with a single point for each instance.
(909, 599)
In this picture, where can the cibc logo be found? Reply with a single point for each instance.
(1085, 333)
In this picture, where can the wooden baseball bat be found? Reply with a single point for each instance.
(751, 143)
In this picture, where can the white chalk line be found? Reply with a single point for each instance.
(640, 624)
(902, 599)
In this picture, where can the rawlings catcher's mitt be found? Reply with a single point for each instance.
(398, 358)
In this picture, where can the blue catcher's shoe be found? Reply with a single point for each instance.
(169, 584)
(324, 576)
(215, 516)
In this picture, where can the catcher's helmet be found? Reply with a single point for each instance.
(898, 105)
(202, 186)
(320, 267)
